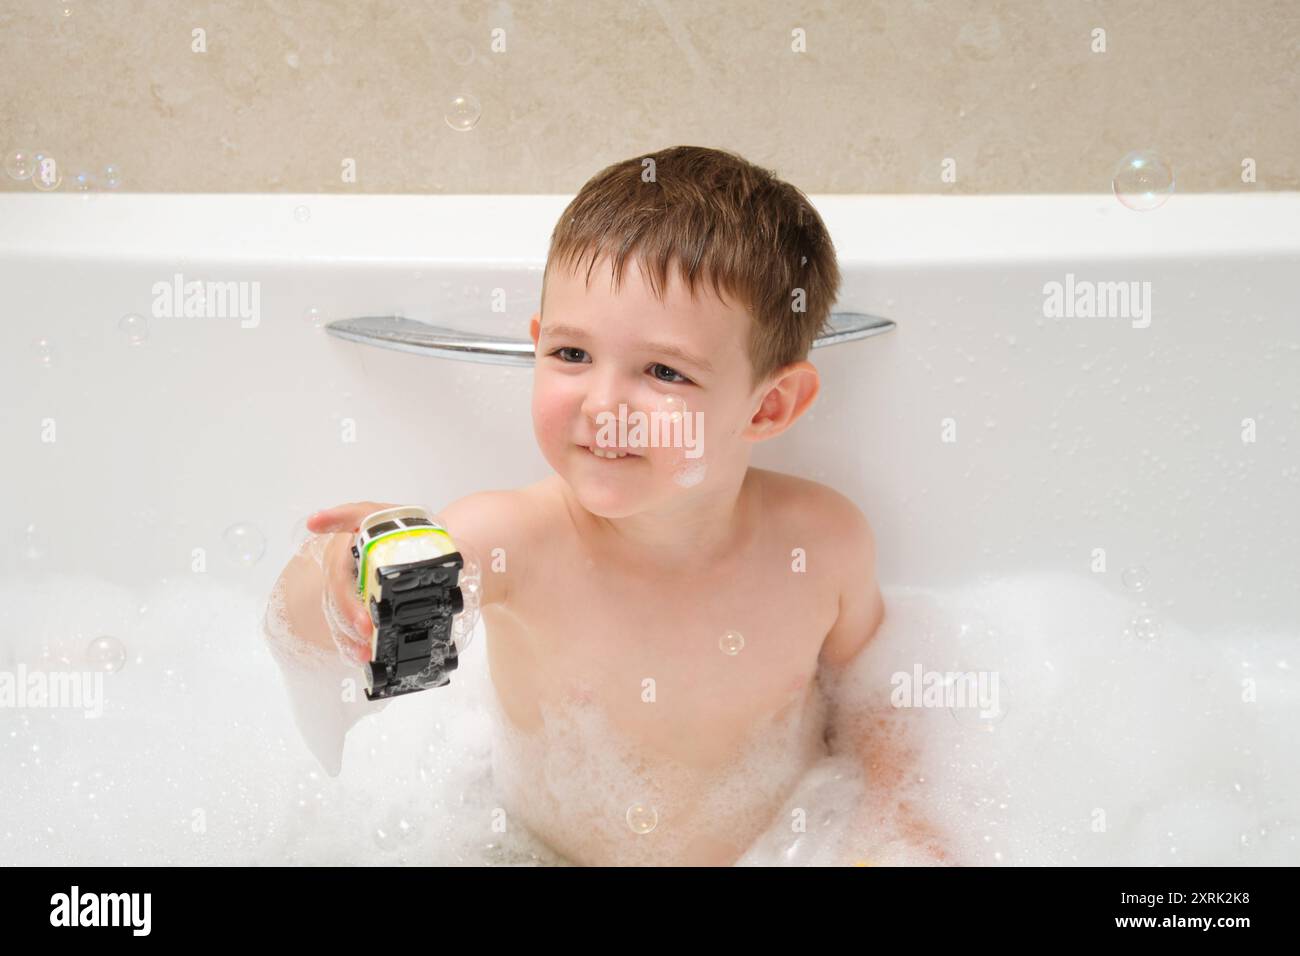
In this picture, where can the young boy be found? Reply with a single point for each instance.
(655, 638)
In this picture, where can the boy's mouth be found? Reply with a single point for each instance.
(608, 454)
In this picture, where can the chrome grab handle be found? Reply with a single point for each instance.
(407, 335)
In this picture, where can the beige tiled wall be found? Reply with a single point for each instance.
(1011, 90)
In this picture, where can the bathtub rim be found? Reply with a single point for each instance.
(399, 231)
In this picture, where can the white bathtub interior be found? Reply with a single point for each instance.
(1147, 702)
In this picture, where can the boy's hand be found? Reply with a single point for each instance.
(348, 618)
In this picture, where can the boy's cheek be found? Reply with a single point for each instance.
(551, 419)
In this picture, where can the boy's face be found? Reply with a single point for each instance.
(599, 349)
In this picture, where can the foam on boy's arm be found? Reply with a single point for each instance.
(847, 672)
(326, 694)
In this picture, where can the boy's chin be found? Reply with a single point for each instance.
(607, 502)
(609, 496)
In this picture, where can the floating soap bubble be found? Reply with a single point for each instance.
(1144, 626)
(732, 643)
(673, 408)
(44, 352)
(46, 172)
(301, 213)
(83, 181)
(19, 164)
(244, 544)
(1135, 578)
(299, 533)
(106, 653)
(313, 317)
(673, 426)
(111, 177)
(134, 327)
(463, 112)
(642, 818)
(1143, 181)
(461, 51)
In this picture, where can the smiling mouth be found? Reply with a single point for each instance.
(608, 454)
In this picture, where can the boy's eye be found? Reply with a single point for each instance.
(680, 379)
(663, 373)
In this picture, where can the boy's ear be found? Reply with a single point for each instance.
(535, 327)
(785, 398)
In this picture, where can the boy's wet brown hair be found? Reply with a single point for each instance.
(719, 219)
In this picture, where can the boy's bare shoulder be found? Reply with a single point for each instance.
(838, 536)
(828, 525)
(818, 510)
(498, 527)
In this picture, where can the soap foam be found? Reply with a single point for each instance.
(1112, 750)
(577, 779)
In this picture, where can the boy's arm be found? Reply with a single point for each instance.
(321, 658)
(486, 525)
(884, 755)
(852, 553)
(862, 608)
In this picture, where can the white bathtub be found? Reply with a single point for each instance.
(985, 440)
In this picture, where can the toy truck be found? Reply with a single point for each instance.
(408, 571)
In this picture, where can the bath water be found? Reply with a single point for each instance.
(1122, 736)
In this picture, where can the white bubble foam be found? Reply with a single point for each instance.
(1113, 751)
(575, 779)
(690, 472)
(198, 759)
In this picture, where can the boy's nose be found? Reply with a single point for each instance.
(604, 397)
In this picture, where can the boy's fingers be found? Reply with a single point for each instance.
(346, 517)
(350, 644)
(340, 602)
(343, 586)
(340, 518)
(351, 618)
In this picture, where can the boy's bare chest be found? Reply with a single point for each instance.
(684, 663)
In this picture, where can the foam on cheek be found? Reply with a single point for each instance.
(689, 472)
(678, 433)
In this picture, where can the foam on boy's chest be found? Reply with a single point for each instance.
(579, 777)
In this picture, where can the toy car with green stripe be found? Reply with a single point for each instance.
(408, 575)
